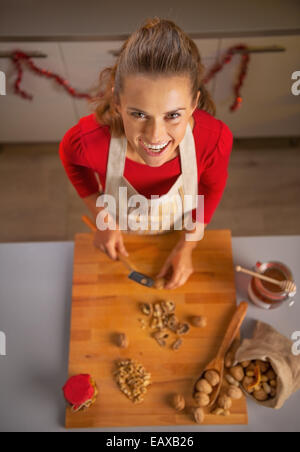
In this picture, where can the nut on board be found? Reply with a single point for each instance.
(199, 415)
(122, 340)
(178, 402)
(146, 308)
(199, 321)
(159, 283)
(177, 344)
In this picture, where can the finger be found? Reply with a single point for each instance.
(179, 280)
(111, 251)
(176, 280)
(173, 280)
(122, 249)
(164, 270)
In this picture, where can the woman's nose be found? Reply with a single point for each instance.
(156, 133)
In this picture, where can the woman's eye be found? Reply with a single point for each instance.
(178, 115)
(136, 115)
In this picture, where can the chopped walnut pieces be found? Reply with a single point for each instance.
(162, 318)
(132, 379)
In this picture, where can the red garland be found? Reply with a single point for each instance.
(243, 71)
(19, 56)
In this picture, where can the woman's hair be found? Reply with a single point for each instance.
(159, 48)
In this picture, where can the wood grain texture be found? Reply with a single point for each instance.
(105, 302)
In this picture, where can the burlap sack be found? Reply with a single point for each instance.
(269, 345)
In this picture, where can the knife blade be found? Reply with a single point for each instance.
(134, 275)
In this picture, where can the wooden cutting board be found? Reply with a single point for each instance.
(105, 302)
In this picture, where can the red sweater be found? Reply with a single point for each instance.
(213, 143)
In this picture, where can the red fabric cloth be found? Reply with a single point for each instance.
(84, 154)
(78, 390)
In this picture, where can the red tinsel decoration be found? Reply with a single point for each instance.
(243, 71)
(19, 56)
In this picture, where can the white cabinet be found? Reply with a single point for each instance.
(269, 109)
(50, 114)
(209, 51)
(84, 62)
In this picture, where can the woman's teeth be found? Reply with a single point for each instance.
(155, 149)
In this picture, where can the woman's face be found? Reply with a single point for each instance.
(156, 111)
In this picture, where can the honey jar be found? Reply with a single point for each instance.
(265, 294)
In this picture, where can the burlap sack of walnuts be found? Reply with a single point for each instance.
(269, 345)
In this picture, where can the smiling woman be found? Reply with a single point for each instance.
(154, 134)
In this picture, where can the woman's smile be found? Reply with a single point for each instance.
(155, 152)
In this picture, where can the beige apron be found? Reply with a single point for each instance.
(172, 205)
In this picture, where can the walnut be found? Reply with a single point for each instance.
(212, 377)
(271, 375)
(199, 321)
(178, 402)
(160, 337)
(260, 395)
(177, 344)
(234, 393)
(122, 340)
(173, 323)
(201, 399)
(245, 363)
(157, 311)
(248, 381)
(225, 402)
(160, 283)
(203, 386)
(199, 415)
(182, 328)
(237, 372)
(263, 365)
(146, 308)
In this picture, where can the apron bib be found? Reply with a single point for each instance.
(164, 213)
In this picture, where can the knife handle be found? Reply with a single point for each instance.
(89, 223)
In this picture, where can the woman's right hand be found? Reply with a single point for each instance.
(111, 243)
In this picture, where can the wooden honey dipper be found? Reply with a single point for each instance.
(287, 286)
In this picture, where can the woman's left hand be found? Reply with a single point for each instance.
(180, 265)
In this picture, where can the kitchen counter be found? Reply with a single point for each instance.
(35, 308)
(103, 19)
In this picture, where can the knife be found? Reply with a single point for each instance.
(134, 275)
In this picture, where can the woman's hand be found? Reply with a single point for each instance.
(111, 243)
(179, 265)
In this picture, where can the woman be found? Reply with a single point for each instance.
(154, 133)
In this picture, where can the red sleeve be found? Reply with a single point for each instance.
(76, 164)
(215, 173)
